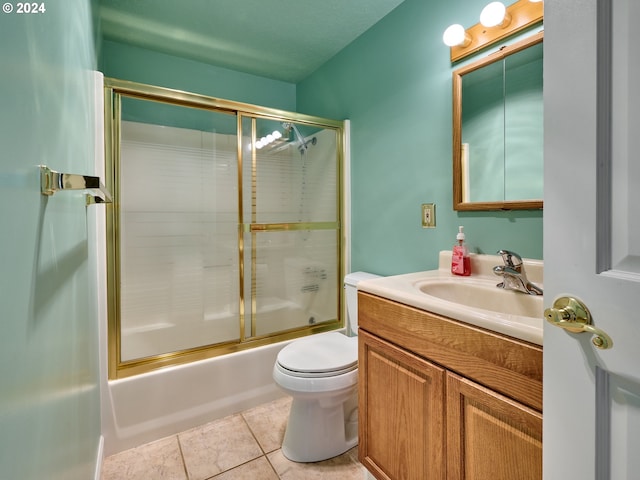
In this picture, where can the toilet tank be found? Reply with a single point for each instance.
(351, 281)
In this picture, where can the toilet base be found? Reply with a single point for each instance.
(318, 430)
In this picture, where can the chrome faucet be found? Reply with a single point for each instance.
(513, 274)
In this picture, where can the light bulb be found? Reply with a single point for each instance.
(276, 134)
(455, 35)
(493, 14)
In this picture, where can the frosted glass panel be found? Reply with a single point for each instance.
(296, 177)
(296, 280)
(291, 206)
(178, 234)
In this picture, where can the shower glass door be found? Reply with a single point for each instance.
(178, 228)
(292, 236)
(218, 239)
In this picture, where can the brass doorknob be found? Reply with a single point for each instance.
(574, 316)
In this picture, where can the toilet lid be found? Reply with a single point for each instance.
(320, 354)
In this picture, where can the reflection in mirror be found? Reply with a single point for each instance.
(498, 130)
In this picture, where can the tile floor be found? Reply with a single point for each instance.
(237, 447)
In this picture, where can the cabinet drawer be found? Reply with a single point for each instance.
(504, 364)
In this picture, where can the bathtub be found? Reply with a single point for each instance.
(153, 405)
(150, 406)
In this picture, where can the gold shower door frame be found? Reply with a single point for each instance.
(114, 91)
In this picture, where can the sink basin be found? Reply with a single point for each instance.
(484, 295)
(475, 300)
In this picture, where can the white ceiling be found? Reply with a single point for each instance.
(280, 39)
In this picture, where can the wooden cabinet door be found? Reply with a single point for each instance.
(401, 412)
(489, 436)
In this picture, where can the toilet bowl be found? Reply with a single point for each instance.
(320, 373)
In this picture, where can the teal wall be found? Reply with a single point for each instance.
(49, 374)
(394, 84)
(136, 64)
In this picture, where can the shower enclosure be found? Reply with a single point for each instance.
(225, 231)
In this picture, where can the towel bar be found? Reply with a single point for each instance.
(52, 181)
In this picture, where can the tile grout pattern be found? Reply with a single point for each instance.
(243, 445)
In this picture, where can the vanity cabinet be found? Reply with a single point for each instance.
(403, 402)
(440, 399)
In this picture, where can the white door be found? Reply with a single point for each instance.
(592, 237)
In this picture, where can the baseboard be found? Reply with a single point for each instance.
(99, 459)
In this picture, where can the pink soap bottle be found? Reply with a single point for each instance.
(460, 261)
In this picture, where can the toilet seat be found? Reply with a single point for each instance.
(319, 356)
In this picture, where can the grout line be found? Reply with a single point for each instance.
(259, 445)
(184, 463)
(272, 467)
(242, 464)
(252, 433)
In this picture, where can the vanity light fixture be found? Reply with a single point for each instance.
(497, 22)
(455, 35)
(495, 15)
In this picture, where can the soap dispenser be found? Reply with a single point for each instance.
(460, 261)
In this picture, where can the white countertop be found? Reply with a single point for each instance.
(405, 289)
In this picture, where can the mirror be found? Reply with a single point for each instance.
(498, 130)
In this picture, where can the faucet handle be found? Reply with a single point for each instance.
(511, 259)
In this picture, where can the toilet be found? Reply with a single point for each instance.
(320, 373)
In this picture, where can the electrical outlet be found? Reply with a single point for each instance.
(428, 215)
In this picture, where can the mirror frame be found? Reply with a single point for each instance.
(458, 203)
